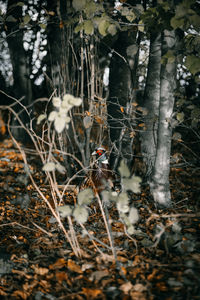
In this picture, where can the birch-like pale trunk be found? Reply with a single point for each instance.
(160, 187)
(151, 105)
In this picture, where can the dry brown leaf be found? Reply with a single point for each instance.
(74, 267)
(40, 271)
(137, 296)
(138, 287)
(60, 263)
(62, 276)
(20, 294)
(91, 293)
(98, 275)
(126, 287)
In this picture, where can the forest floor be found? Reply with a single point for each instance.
(162, 261)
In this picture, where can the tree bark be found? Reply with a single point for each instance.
(57, 48)
(21, 68)
(160, 180)
(151, 105)
(121, 90)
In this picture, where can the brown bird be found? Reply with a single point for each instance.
(102, 176)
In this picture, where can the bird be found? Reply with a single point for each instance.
(102, 176)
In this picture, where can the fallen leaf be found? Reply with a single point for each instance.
(98, 275)
(74, 267)
(126, 287)
(91, 293)
(59, 264)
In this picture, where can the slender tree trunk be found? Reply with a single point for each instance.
(57, 48)
(151, 105)
(120, 97)
(21, 68)
(160, 180)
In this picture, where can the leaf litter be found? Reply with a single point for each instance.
(36, 262)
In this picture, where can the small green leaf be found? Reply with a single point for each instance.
(26, 19)
(59, 124)
(123, 203)
(132, 184)
(52, 115)
(90, 9)
(11, 19)
(64, 211)
(180, 117)
(20, 4)
(133, 215)
(80, 214)
(123, 169)
(85, 197)
(78, 28)
(192, 62)
(78, 5)
(43, 26)
(88, 27)
(131, 229)
(177, 23)
(103, 26)
(56, 101)
(141, 26)
(41, 118)
(112, 29)
(48, 167)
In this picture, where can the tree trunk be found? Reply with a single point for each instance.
(21, 68)
(121, 90)
(57, 48)
(151, 105)
(160, 180)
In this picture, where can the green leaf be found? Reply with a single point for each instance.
(59, 124)
(103, 26)
(78, 28)
(195, 21)
(56, 101)
(192, 62)
(78, 5)
(80, 214)
(123, 169)
(177, 23)
(41, 118)
(195, 113)
(112, 29)
(20, 4)
(141, 26)
(123, 203)
(90, 9)
(64, 211)
(26, 19)
(52, 115)
(48, 167)
(131, 229)
(11, 19)
(43, 26)
(180, 116)
(85, 197)
(133, 215)
(132, 184)
(88, 27)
